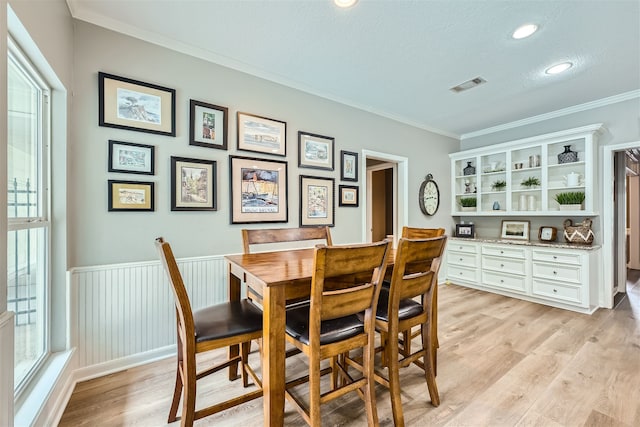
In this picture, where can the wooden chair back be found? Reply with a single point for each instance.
(346, 280)
(415, 271)
(421, 233)
(284, 235)
(184, 314)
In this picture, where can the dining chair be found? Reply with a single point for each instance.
(210, 328)
(408, 336)
(415, 274)
(346, 282)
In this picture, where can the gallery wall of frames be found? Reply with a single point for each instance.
(258, 182)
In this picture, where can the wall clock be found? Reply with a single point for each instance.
(429, 196)
(547, 234)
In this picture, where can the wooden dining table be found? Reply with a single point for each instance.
(278, 277)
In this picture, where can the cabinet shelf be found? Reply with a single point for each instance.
(509, 162)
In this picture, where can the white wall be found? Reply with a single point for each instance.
(99, 237)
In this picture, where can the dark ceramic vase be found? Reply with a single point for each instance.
(469, 170)
(567, 156)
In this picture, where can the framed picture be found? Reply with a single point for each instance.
(208, 125)
(518, 230)
(128, 157)
(193, 184)
(317, 203)
(465, 230)
(258, 190)
(135, 105)
(261, 134)
(348, 196)
(315, 151)
(130, 196)
(348, 166)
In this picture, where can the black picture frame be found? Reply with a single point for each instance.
(349, 196)
(261, 134)
(348, 166)
(258, 190)
(193, 184)
(130, 196)
(465, 230)
(128, 157)
(317, 201)
(134, 105)
(315, 151)
(208, 125)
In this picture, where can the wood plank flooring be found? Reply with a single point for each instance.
(502, 362)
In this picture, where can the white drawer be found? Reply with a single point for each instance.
(557, 291)
(504, 265)
(504, 251)
(462, 258)
(504, 281)
(457, 246)
(462, 273)
(561, 257)
(564, 272)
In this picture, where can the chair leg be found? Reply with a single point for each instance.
(177, 392)
(244, 357)
(370, 388)
(429, 371)
(394, 385)
(188, 399)
(314, 390)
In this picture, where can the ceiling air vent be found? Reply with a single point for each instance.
(468, 84)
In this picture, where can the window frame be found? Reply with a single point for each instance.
(42, 218)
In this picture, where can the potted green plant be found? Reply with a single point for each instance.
(468, 203)
(532, 181)
(570, 200)
(499, 185)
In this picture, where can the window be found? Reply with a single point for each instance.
(28, 214)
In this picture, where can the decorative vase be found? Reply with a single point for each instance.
(496, 206)
(567, 156)
(522, 203)
(469, 170)
(531, 203)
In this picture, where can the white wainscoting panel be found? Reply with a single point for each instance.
(6, 368)
(125, 310)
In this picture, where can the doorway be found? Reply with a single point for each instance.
(619, 219)
(385, 180)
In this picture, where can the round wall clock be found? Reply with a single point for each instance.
(429, 196)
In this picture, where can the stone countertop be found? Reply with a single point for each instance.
(554, 245)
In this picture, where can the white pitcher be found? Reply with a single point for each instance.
(572, 179)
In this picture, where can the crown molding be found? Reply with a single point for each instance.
(554, 114)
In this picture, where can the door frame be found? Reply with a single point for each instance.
(401, 191)
(608, 229)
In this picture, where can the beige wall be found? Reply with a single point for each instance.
(99, 237)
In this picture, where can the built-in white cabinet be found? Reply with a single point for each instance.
(498, 176)
(560, 275)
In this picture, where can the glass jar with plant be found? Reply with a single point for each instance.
(499, 185)
(570, 200)
(468, 203)
(530, 182)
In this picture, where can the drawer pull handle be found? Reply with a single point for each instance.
(555, 257)
(501, 252)
(555, 291)
(501, 280)
(460, 259)
(501, 265)
(555, 272)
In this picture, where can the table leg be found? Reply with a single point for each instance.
(273, 357)
(234, 295)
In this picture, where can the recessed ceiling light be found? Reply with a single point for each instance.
(524, 31)
(345, 3)
(557, 69)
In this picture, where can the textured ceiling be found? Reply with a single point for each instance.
(400, 58)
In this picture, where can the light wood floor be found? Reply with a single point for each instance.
(502, 362)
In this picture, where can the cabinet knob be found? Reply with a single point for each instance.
(460, 259)
(555, 272)
(501, 280)
(501, 252)
(501, 265)
(555, 257)
(555, 291)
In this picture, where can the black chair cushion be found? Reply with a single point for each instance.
(227, 320)
(330, 330)
(407, 307)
